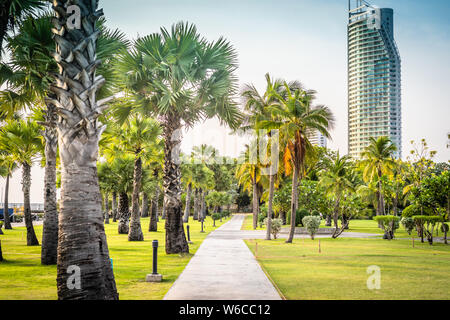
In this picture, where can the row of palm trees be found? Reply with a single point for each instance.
(175, 77)
(288, 108)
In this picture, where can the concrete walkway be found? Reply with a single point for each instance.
(223, 268)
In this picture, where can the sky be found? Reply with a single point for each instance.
(303, 40)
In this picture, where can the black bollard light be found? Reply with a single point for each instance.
(154, 276)
(188, 233)
(155, 256)
(202, 226)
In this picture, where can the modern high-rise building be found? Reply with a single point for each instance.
(374, 77)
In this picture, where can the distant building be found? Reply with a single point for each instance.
(374, 77)
(317, 139)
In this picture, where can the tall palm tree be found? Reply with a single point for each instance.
(122, 167)
(82, 239)
(22, 140)
(377, 160)
(136, 137)
(249, 177)
(8, 165)
(28, 77)
(12, 12)
(336, 180)
(294, 115)
(256, 105)
(181, 78)
(187, 177)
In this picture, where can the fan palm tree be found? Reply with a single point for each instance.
(294, 115)
(187, 177)
(22, 140)
(377, 160)
(136, 137)
(82, 241)
(181, 78)
(12, 12)
(28, 77)
(8, 165)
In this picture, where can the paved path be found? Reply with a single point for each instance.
(223, 268)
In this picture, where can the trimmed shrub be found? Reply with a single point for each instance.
(410, 211)
(216, 216)
(388, 224)
(311, 224)
(408, 224)
(426, 225)
(276, 227)
(225, 214)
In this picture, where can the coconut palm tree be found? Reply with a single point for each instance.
(12, 12)
(181, 78)
(22, 140)
(82, 240)
(256, 105)
(377, 160)
(248, 174)
(294, 115)
(336, 180)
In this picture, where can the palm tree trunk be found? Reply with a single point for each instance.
(124, 213)
(114, 206)
(26, 184)
(294, 204)
(163, 211)
(269, 206)
(255, 203)
(153, 226)
(106, 208)
(187, 209)
(135, 231)
(50, 228)
(202, 214)
(175, 237)
(6, 205)
(195, 217)
(82, 241)
(145, 208)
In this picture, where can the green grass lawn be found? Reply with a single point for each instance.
(340, 270)
(23, 277)
(361, 226)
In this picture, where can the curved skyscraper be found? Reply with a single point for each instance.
(374, 77)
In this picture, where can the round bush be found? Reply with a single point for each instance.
(312, 224)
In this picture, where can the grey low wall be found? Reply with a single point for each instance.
(303, 230)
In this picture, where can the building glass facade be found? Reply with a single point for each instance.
(374, 78)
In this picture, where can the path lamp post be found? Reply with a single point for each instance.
(154, 276)
(202, 225)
